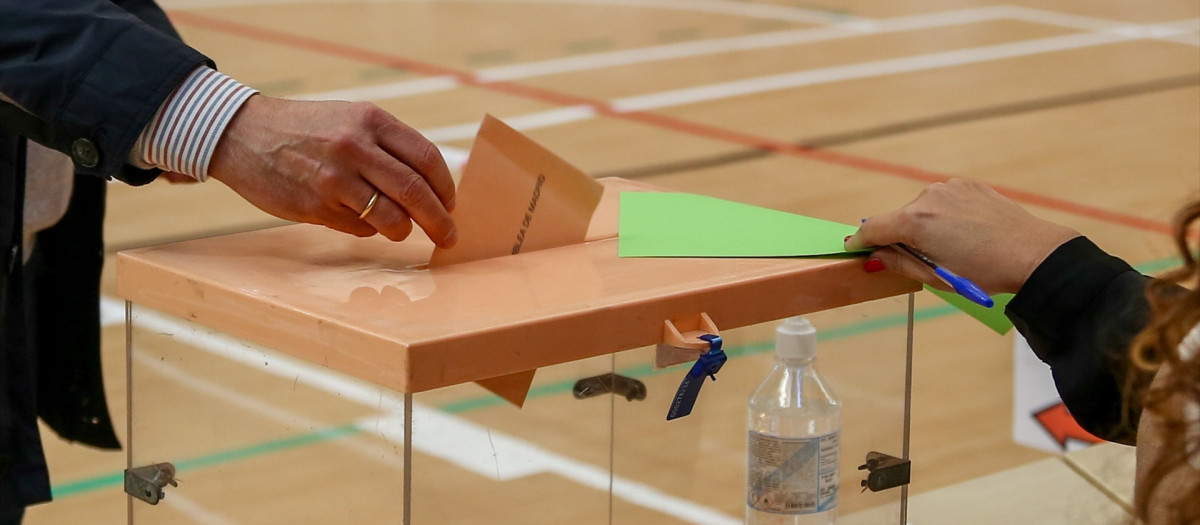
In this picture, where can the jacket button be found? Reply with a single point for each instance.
(85, 154)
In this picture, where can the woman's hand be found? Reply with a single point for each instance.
(967, 228)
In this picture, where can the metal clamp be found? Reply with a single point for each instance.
(147, 483)
(627, 387)
(885, 472)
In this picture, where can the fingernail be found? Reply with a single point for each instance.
(847, 238)
(451, 239)
(873, 265)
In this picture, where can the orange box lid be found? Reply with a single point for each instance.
(373, 309)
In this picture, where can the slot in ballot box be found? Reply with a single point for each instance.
(299, 375)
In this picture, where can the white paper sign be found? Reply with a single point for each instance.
(1040, 420)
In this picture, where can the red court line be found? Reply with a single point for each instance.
(692, 128)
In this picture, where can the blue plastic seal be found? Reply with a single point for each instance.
(708, 364)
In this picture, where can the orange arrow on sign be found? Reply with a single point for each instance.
(1062, 426)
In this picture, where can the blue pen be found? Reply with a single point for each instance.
(961, 285)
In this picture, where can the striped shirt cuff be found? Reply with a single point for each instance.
(184, 132)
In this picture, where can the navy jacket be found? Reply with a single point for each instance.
(86, 76)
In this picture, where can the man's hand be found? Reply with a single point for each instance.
(321, 163)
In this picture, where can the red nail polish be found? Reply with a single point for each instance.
(847, 238)
(873, 265)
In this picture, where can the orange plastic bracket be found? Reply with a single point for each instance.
(681, 340)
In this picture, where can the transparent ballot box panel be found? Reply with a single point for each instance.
(252, 435)
(695, 467)
(545, 462)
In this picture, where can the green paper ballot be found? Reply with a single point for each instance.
(993, 317)
(653, 224)
(684, 225)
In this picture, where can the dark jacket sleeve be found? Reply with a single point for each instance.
(1079, 310)
(90, 75)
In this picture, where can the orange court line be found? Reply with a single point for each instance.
(692, 128)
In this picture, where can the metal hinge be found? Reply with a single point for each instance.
(627, 387)
(147, 483)
(885, 472)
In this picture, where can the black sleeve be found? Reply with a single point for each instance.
(1079, 310)
(89, 76)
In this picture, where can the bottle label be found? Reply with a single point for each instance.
(792, 475)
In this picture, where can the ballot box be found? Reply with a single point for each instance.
(299, 375)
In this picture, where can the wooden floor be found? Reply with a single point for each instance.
(1086, 112)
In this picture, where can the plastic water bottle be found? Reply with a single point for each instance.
(793, 433)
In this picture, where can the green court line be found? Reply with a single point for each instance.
(1153, 267)
(104, 481)
(217, 458)
(86, 485)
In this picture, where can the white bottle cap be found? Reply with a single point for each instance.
(796, 339)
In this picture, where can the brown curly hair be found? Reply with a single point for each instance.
(1173, 313)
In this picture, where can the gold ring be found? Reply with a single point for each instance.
(370, 205)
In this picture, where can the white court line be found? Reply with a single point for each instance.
(484, 451)
(757, 85)
(442, 435)
(1177, 31)
(1192, 25)
(541, 119)
(696, 48)
(392, 90)
(1191, 39)
(289, 420)
(733, 44)
(1165, 31)
(658, 53)
(455, 158)
(722, 7)
(862, 70)
(1054, 18)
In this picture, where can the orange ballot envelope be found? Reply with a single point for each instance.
(514, 197)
